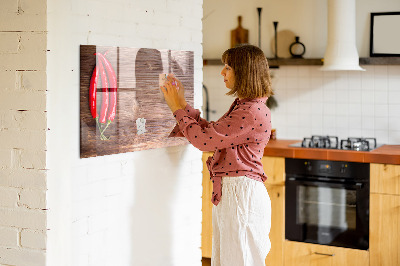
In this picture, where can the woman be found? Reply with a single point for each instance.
(242, 208)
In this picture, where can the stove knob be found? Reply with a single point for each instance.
(343, 168)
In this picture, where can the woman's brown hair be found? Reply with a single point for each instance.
(250, 66)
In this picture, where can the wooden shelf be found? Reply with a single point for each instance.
(274, 63)
(380, 61)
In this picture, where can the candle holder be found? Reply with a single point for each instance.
(259, 9)
(276, 38)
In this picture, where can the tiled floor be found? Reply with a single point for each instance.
(206, 261)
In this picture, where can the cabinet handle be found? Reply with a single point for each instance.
(324, 254)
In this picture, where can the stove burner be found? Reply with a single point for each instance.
(328, 142)
(358, 144)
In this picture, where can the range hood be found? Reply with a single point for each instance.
(341, 51)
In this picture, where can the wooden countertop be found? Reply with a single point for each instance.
(389, 154)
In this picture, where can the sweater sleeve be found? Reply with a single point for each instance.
(193, 113)
(229, 131)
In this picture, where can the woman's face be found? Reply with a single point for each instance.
(229, 76)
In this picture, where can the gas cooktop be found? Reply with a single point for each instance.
(332, 142)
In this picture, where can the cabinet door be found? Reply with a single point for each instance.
(384, 230)
(277, 233)
(304, 254)
(385, 178)
(206, 232)
(274, 168)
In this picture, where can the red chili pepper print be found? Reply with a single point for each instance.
(112, 88)
(104, 100)
(93, 92)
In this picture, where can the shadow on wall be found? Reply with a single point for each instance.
(154, 204)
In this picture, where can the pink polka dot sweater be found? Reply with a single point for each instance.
(238, 139)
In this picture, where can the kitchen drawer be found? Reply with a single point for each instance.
(305, 254)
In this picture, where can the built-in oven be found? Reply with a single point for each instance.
(327, 202)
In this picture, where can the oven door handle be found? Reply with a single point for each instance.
(352, 185)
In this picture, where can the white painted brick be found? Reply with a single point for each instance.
(23, 218)
(33, 199)
(28, 119)
(33, 239)
(23, 139)
(31, 80)
(33, 7)
(31, 56)
(23, 178)
(7, 79)
(33, 159)
(9, 42)
(8, 197)
(24, 22)
(8, 6)
(98, 222)
(9, 237)
(5, 158)
(17, 256)
(22, 100)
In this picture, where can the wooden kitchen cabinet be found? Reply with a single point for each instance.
(206, 225)
(385, 178)
(385, 215)
(305, 254)
(274, 168)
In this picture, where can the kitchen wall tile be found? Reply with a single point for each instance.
(291, 71)
(303, 82)
(355, 96)
(316, 82)
(367, 123)
(354, 122)
(381, 97)
(367, 96)
(394, 123)
(315, 72)
(394, 137)
(394, 110)
(381, 84)
(328, 74)
(367, 110)
(381, 123)
(342, 122)
(342, 109)
(394, 97)
(394, 83)
(355, 109)
(381, 136)
(304, 72)
(381, 110)
(355, 132)
(380, 71)
(342, 96)
(393, 71)
(317, 107)
(329, 109)
(367, 81)
(292, 83)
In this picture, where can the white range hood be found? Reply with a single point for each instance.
(341, 51)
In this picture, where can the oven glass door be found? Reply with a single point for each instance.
(326, 213)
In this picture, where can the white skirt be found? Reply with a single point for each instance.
(241, 223)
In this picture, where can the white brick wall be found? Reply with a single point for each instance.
(22, 132)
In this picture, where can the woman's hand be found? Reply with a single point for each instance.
(171, 94)
(181, 89)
